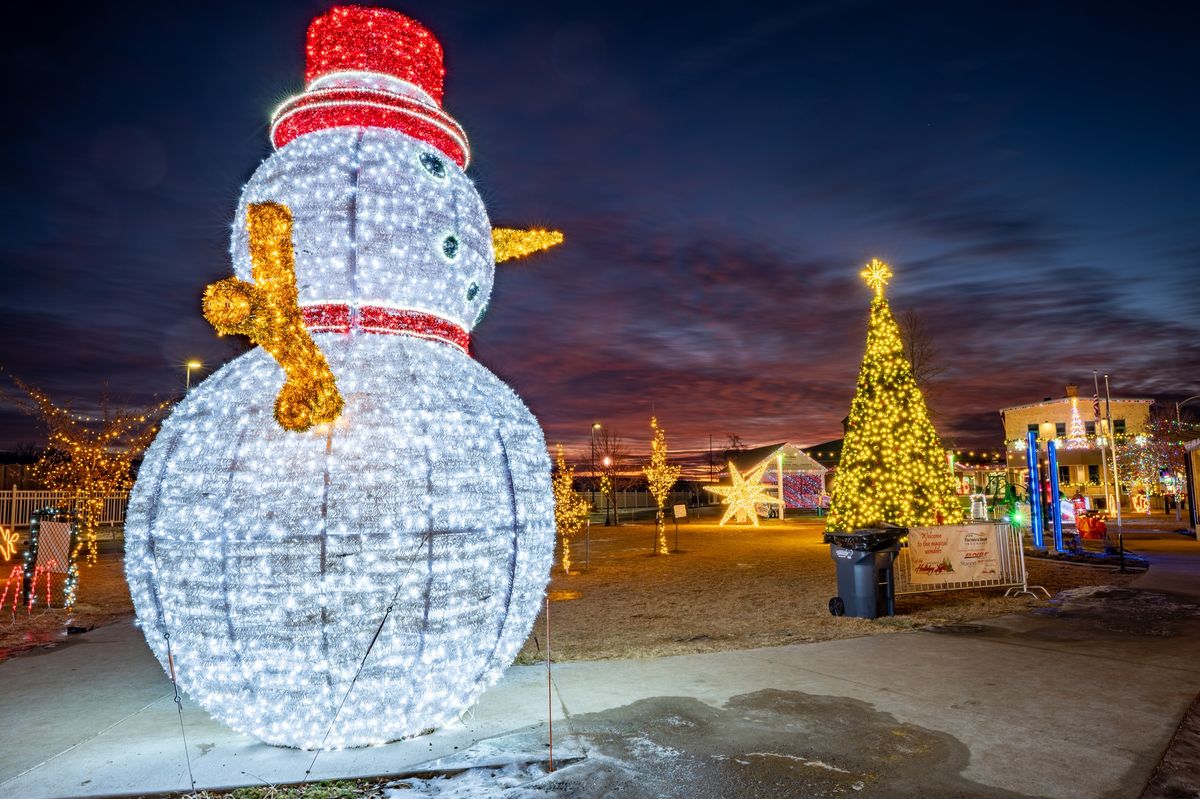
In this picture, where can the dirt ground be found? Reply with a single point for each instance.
(736, 587)
(731, 587)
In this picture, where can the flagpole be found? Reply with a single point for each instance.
(1112, 444)
(1103, 455)
(1112, 438)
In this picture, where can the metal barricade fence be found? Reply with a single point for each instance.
(1010, 571)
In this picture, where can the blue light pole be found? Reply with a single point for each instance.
(1035, 490)
(1052, 455)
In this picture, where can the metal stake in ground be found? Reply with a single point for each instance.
(179, 708)
(549, 686)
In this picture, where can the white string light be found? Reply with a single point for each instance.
(270, 556)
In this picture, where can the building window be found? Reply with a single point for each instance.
(1118, 427)
(1033, 428)
(1060, 429)
(1064, 474)
(1089, 428)
(1094, 473)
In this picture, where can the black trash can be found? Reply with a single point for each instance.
(866, 584)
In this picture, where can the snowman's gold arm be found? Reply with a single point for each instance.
(268, 313)
(510, 243)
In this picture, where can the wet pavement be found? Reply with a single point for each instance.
(1078, 699)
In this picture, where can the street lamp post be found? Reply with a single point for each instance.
(1180, 404)
(188, 381)
(595, 427)
(607, 461)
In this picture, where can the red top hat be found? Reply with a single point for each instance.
(372, 67)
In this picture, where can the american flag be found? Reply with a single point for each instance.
(1096, 405)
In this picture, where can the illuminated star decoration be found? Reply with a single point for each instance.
(8, 543)
(746, 492)
(877, 274)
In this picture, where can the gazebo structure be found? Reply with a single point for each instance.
(799, 479)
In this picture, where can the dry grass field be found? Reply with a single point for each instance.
(730, 587)
(736, 587)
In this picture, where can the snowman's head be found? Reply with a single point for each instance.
(371, 167)
(380, 219)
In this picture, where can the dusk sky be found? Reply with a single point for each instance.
(721, 172)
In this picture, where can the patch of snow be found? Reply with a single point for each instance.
(1087, 591)
(503, 750)
(675, 721)
(475, 783)
(641, 746)
(801, 760)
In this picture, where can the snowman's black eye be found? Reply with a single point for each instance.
(472, 290)
(433, 165)
(450, 247)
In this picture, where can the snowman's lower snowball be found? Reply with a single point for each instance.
(271, 556)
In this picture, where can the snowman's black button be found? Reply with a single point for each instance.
(472, 290)
(433, 165)
(450, 247)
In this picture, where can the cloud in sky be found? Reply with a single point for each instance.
(721, 175)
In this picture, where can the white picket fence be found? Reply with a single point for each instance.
(17, 506)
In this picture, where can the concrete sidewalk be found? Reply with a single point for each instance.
(1076, 701)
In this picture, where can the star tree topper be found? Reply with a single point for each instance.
(746, 492)
(877, 274)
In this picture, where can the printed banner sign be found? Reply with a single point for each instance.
(953, 554)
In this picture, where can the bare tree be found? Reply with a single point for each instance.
(612, 451)
(921, 351)
(732, 448)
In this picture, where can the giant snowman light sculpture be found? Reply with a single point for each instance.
(357, 483)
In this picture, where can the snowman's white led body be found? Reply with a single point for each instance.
(270, 556)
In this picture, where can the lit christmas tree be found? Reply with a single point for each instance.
(1076, 433)
(893, 467)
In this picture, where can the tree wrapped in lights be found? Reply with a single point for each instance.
(893, 467)
(570, 509)
(89, 459)
(1154, 460)
(662, 477)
